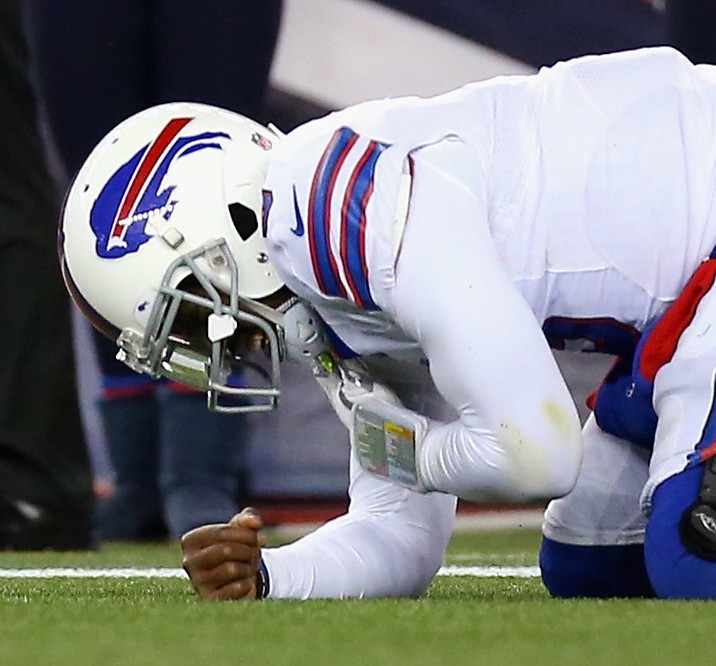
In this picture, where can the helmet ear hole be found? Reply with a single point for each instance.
(244, 220)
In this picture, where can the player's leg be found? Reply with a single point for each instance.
(129, 414)
(92, 73)
(215, 56)
(46, 495)
(592, 542)
(200, 457)
(681, 565)
(680, 543)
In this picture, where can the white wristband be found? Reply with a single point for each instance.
(387, 439)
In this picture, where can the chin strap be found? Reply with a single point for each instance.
(273, 315)
(296, 325)
(698, 524)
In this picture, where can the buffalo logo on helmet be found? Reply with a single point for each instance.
(135, 201)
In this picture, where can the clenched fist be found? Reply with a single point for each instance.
(223, 560)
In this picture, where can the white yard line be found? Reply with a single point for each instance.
(166, 572)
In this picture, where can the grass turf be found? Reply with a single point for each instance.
(460, 621)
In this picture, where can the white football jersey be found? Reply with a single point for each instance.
(597, 177)
(461, 233)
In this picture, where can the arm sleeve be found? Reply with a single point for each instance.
(517, 436)
(390, 544)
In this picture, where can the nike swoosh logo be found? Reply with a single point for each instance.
(298, 230)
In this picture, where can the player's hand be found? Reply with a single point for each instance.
(222, 560)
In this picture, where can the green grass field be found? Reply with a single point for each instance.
(462, 620)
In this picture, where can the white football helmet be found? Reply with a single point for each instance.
(172, 192)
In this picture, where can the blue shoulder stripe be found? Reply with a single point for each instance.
(319, 212)
(353, 223)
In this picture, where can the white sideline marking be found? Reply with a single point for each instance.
(67, 572)
(166, 572)
(491, 572)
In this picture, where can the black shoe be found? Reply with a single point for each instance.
(28, 525)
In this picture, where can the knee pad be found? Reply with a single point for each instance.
(594, 571)
(673, 544)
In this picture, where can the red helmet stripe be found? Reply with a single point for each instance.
(166, 136)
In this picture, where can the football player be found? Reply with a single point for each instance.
(422, 255)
